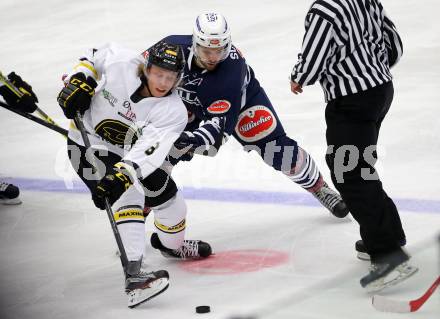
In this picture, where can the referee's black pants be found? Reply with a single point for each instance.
(353, 124)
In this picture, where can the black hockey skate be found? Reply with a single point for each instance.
(388, 271)
(142, 286)
(190, 249)
(332, 201)
(362, 253)
(9, 194)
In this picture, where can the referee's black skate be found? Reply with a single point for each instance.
(9, 194)
(142, 286)
(190, 249)
(331, 200)
(388, 271)
(362, 253)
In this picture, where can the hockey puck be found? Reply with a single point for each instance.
(203, 309)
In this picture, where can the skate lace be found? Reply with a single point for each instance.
(327, 197)
(3, 186)
(145, 274)
(190, 248)
(142, 275)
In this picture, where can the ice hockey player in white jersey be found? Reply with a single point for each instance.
(133, 116)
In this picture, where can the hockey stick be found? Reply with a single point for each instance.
(45, 117)
(31, 117)
(17, 92)
(384, 304)
(124, 260)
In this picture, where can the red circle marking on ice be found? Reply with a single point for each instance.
(236, 261)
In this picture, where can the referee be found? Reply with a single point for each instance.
(349, 47)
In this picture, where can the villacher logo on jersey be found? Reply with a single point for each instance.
(219, 107)
(255, 123)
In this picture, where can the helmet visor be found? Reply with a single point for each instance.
(211, 55)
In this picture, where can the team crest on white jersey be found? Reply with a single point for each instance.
(255, 123)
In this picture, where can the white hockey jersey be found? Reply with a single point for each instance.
(141, 132)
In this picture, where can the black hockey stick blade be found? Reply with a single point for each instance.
(31, 117)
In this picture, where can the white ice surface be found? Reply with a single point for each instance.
(57, 250)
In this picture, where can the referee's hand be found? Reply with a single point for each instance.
(295, 87)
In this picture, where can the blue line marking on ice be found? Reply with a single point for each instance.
(224, 195)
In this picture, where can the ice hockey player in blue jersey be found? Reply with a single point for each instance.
(224, 98)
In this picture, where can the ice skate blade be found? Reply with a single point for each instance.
(139, 296)
(12, 201)
(401, 273)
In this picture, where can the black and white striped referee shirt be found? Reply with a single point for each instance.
(349, 46)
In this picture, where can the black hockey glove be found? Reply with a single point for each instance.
(177, 155)
(77, 95)
(185, 145)
(111, 186)
(23, 101)
(187, 139)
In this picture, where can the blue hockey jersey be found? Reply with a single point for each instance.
(215, 97)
